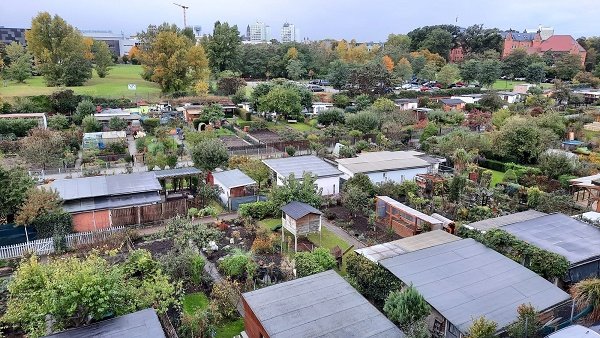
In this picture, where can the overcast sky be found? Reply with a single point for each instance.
(364, 20)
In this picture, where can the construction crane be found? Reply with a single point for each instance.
(184, 16)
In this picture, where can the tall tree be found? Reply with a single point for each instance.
(103, 58)
(469, 70)
(282, 100)
(536, 72)
(567, 66)
(397, 46)
(295, 69)
(224, 47)
(388, 63)
(60, 51)
(403, 70)
(438, 41)
(43, 148)
(209, 154)
(489, 72)
(476, 40)
(14, 186)
(448, 74)
(339, 72)
(19, 68)
(516, 63)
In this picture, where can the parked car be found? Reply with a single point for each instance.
(315, 88)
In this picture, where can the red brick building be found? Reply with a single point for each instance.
(534, 43)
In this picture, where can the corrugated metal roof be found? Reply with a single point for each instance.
(298, 210)
(575, 240)
(383, 160)
(323, 304)
(464, 280)
(140, 324)
(406, 208)
(232, 178)
(176, 172)
(497, 222)
(298, 165)
(379, 252)
(87, 187)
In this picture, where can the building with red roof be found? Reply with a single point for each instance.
(534, 43)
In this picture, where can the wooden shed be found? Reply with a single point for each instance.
(404, 220)
(300, 219)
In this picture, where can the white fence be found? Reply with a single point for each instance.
(46, 246)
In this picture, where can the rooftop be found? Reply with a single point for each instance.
(140, 324)
(464, 280)
(298, 165)
(233, 178)
(497, 222)
(298, 210)
(177, 172)
(452, 102)
(111, 202)
(384, 161)
(575, 240)
(379, 252)
(561, 43)
(87, 187)
(323, 304)
(407, 209)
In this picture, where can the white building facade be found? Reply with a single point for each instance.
(289, 33)
(259, 32)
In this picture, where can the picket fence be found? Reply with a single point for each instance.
(46, 246)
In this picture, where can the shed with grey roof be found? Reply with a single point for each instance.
(299, 219)
(319, 305)
(140, 324)
(497, 222)
(327, 176)
(235, 187)
(464, 280)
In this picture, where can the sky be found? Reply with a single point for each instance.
(363, 20)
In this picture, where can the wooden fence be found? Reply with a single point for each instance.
(145, 214)
(45, 246)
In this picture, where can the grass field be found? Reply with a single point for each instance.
(509, 84)
(497, 177)
(194, 301)
(112, 86)
(230, 329)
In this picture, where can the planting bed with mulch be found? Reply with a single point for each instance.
(265, 136)
(157, 247)
(359, 226)
(233, 141)
(242, 240)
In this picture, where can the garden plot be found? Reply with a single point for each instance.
(233, 141)
(265, 136)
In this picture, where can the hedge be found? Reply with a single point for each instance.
(244, 114)
(18, 127)
(493, 165)
(258, 210)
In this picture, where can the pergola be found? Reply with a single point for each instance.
(586, 191)
(181, 178)
(300, 219)
(404, 220)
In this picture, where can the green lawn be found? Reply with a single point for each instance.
(112, 86)
(231, 329)
(497, 177)
(509, 84)
(300, 126)
(269, 223)
(194, 301)
(328, 240)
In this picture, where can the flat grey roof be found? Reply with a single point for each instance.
(428, 239)
(140, 324)
(574, 331)
(452, 102)
(111, 202)
(87, 187)
(233, 178)
(383, 161)
(177, 172)
(575, 240)
(464, 280)
(497, 222)
(323, 304)
(298, 210)
(298, 165)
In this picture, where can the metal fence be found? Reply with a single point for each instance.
(45, 246)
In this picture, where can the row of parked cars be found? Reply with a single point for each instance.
(428, 86)
(317, 85)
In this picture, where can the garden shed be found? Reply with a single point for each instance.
(179, 179)
(404, 220)
(464, 280)
(140, 324)
(236, 188)
(323, 304)
(300, 219)
(327, 176)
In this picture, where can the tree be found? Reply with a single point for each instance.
(19, 68)
(469, 70)
(103, 58)
(489, 72)
(209, 154)
(60, 51)
(406, 307)
(116, 123)
(90, 124)
(256, 170)
(478, 120)
(39, 202)
(213, 113)
(58, 122)
(554, 165)
(295, 69)
(520, 141)
(331, 116)
(365, 121)
(491, 102)
(383, 105)
(527, 323)
(567, 66)
(438, 41)
(371, 78)
(403, 70)
(431, 129)
(43, 148)
(448, 74)
(397, 45)
(293, 189)
(536, 72)
(338, 75)
(280, 99)
(482, 328)
(475, 40)
(372, 280)
(84, 108)
(516, 63)
(14, 187)
(356, 200)
(587, 77)
(363, 102)
(229, 85)
(340, 100)
(388, 63)
(224, 47)
(428, 72)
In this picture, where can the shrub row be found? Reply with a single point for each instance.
(258, 210)
(407, 94)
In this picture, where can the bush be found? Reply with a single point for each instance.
(331, 116)
(370, 279)
(183, 264)
(258, 210)
(364, 121)
(18, 127)
(510, 176)
(406, 307)
(150, 124)
(309, 263)
(239, 266)
(244, 114)
(493, 165)
(347, 152)
(290, 150)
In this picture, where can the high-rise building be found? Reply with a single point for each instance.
(258, 32)
(289, 33)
